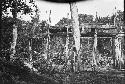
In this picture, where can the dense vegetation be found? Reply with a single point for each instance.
(40, 56)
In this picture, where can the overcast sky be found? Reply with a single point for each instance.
(103, 8)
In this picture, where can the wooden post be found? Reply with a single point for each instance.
(123, 55)
(113, 51)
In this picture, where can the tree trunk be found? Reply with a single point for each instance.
(95, 48)
(14, 40)
(66, 46)
(48, 38)
(30, 49)
(118, 50)
(76, 30)
(115, 17)
(48, 55)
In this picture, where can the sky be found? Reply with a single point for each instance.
(58, 11)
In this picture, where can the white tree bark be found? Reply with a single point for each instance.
(66, 46)
(118, 49)
(30, 50)
(14, 42)
(15, 34)
(95, 48)
(76, 30)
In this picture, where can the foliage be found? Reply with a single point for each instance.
(17, 73)
(7, 27)
(6, 35)
(20, 6)
(43, 26)
(84, 18)
(104, 20)
(14, 7)
(110, 19)
(6, 30)
(64, 22)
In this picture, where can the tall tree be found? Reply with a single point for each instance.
(119, 39)
(35, 23)
(15, 7)
(95, 43)
(76, 30)
(95, 48)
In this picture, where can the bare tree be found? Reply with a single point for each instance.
(76, 30)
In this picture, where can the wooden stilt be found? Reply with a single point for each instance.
(113, 52)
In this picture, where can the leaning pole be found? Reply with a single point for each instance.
(76, 30)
